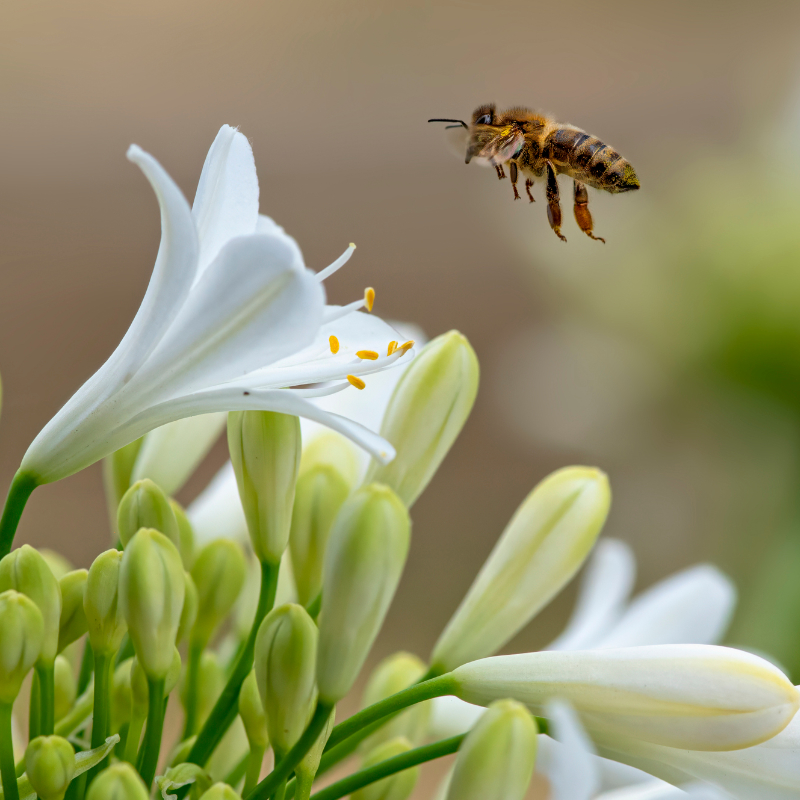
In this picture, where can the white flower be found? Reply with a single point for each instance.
(230, 320)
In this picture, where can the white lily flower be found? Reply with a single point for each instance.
(230, 321)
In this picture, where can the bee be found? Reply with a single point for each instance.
(540, 147)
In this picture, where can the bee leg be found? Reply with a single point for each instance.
(582, 214)
(553, 206)
(512, 168)
(501, 173)
(528, 184)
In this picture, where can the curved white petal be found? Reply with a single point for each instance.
(692, 607)
(226, 202)
(572, 770)
(650, 790)
(605, 588)
(216, 513)
(268, 226)
(451, 717)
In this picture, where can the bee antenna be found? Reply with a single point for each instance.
(459, 121)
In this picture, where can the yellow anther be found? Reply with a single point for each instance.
(352, 245)
(369, 354)
(334, 343)
(369, 297)
(392, 348)
(406, 346)
(357, 382)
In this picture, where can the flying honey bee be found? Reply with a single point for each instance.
(541, 147)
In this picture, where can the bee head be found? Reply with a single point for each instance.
(484, 115)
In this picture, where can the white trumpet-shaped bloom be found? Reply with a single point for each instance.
(231, 320)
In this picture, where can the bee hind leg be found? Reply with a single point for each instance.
(512, 168)
(528, 184)
(582, 214)
(553, 206)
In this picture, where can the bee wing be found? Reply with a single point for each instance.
(500, 148)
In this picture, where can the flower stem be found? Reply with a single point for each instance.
(7, 771)
(391, 766)
(192, 678)
(102, 701)
(134, 735)
(78, 714)
(46, 676)
(18, 493)
(87, 666)
(254, 762)
(155, 724)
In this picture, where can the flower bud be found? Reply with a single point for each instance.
(366, 553)
(72, 624)
(50, 766)
(26, 571)
(210, 683)
(59, 565)
(427, 410)
(220, 791)
(265, 453)
(121, 694)
(101, 603)
(218, 575)
(21, 636)
(285, 660)
(395, 787)
(145, 505)
(320, 493)
(189, 610)
(118, 782)
(185, 534)
(251, 710)
(329, 449)
(140, 692)
(151, 592)
(497, 757)
(392, 675)
(693, 697)
(540, 550)
(65, 687)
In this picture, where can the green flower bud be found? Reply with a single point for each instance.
(151, 592)
(189, 610)
(285, 660)
(396, 787)
(392, 675)
(50, 766)
(101, 603)
(329, 449)
(26, 571)
(218, 574)
(59, 565)
(540, 550)
(210, 683)
(497, 757)
(65, 687)
(185, 533)
(72, 624)
(144, 505)
(221, 791)
(117, 471)
(140, 693)
(426, 412)
(366, 553)
(252, 713)
(21, 636)
(118, 782)
(121, 694)
(265, 453)
(320, 493)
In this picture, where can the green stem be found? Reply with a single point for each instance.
(79, 712)
(87, 667)
(254, 762)
(18, 493)
(34, 709)
(102, 703)
(192, 679)
(134, 735)
(7, 771)
(389, 767)
(225, 709)
(238, 772)
(301, 790)
(155, 724)
(47, 699)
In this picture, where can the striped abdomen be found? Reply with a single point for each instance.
(588, 160)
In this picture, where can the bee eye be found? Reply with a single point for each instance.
(486, 119)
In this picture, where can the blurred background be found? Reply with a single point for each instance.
(669, 357)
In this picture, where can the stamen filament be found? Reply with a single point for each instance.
(337, 265)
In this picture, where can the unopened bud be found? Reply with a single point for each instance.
(121, 694)
(497, 757)
(366, 554)
(118, 782)
(265, 453)
(189, 610)
(145, 505)
(26, 571)
(101, 603)
(65, 687)
(59, 565)
(151, 592)
(329, 449)
(427, 411)
(220, 791)
(210, 682)
(395, 787)
(320, 493)
(285, 660)
(185, 534)
(540, 550)
(21, 636)
(251, 710)
(50, 766)
(140, 692)
(72, 624)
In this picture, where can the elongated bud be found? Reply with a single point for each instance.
(540, 550)
(65, 687)
(693, 697)
(50, 766)
(26, 571)
(121, 695)
(396, 787)
(497, 757)
(145, 505)
(265, 453)
(140, 693)
(329, 449)
(151, 592)
(210, 682)
(218, 575)
(285, 660)
(321, 491)
(21, 636)
(185, 534)
(118, 782)
(72, 624)
(117, 470)
(427, 411)
(220, 791)
(366, 554)
(189, 610)
(251, 710)
(101, 603)
(392, 675)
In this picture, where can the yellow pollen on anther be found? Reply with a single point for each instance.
(392, 348)
(369, 297)
(407, 345)
(334, 343)
(352, 244)
(368, 354)
(357, 382)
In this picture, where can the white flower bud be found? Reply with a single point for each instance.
(72, 624)
(145, 505)
(50, 766)
(101, 603)
(21, 636)
(394, 787)
(118, 782)
(65, 687)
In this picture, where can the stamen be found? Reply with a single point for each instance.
(369, 297)
(370, 354)
(332, 313)
(407, 346)
(334, 343)
(338, 264)
(357, 382)
(392, 348)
